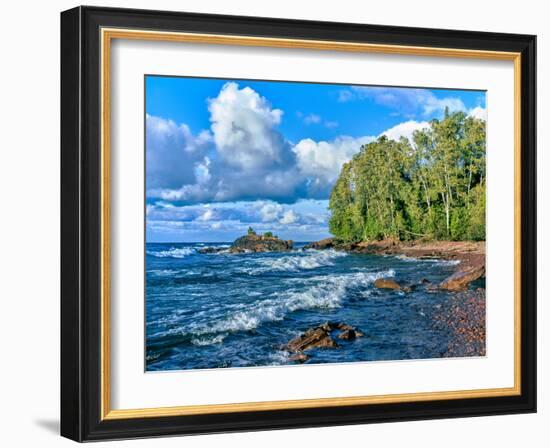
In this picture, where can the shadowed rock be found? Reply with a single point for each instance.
(320, 337)
(327, 243)
(211, 250)
(349, 335)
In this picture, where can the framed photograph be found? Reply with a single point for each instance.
(277, 224)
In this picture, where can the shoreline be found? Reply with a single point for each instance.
(469, 253)
(465, 319)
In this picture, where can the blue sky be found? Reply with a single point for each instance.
(223, 155)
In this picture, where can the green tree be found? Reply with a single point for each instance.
(432, 188)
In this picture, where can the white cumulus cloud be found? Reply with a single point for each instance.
(289, 217)
(405, 129)
(244, 127)
(323, 160)
(478, 112)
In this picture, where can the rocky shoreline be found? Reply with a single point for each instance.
(465, 317)
(470, 256)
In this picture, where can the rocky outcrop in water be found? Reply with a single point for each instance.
(320, 337)
(327, 243)
(260, 243)
(387, 283)
(211, 250)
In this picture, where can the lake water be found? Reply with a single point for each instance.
(220, 310)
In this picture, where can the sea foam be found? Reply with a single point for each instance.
(173, 252)
(310, 259)
(320, 292)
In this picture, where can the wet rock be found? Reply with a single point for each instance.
(260, 243)
(460, 280)
(386, 283)
(349, 335)
(299, 357)
(321, 337)
(312, 338)
(211, 250)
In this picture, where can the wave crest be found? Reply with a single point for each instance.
(173, 252)
(292, 263)
(326, 292)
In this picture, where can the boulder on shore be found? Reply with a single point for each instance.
(260, 243)
(460, 280)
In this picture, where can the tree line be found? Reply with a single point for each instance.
(430, 188)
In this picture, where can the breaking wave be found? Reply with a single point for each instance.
(310, 259)
(323, 292)
(173, 252)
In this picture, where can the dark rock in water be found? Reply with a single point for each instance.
(299, 357)
(312, 338)
(211, 250)
(349, 335)
(461, 279)
(320, 337)
(386, 283)
(259, 243)
(327, 243)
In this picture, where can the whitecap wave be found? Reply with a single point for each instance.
(218, 339)
(324, 292)
(162, 272)
(292, 263)
(280, 357)
(173, 252)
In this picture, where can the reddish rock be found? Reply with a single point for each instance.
(313, 338)
(461, 279)
(386, 283)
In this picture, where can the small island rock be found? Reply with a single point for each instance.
(260, 243)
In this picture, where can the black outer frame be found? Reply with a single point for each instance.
(80, 224)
